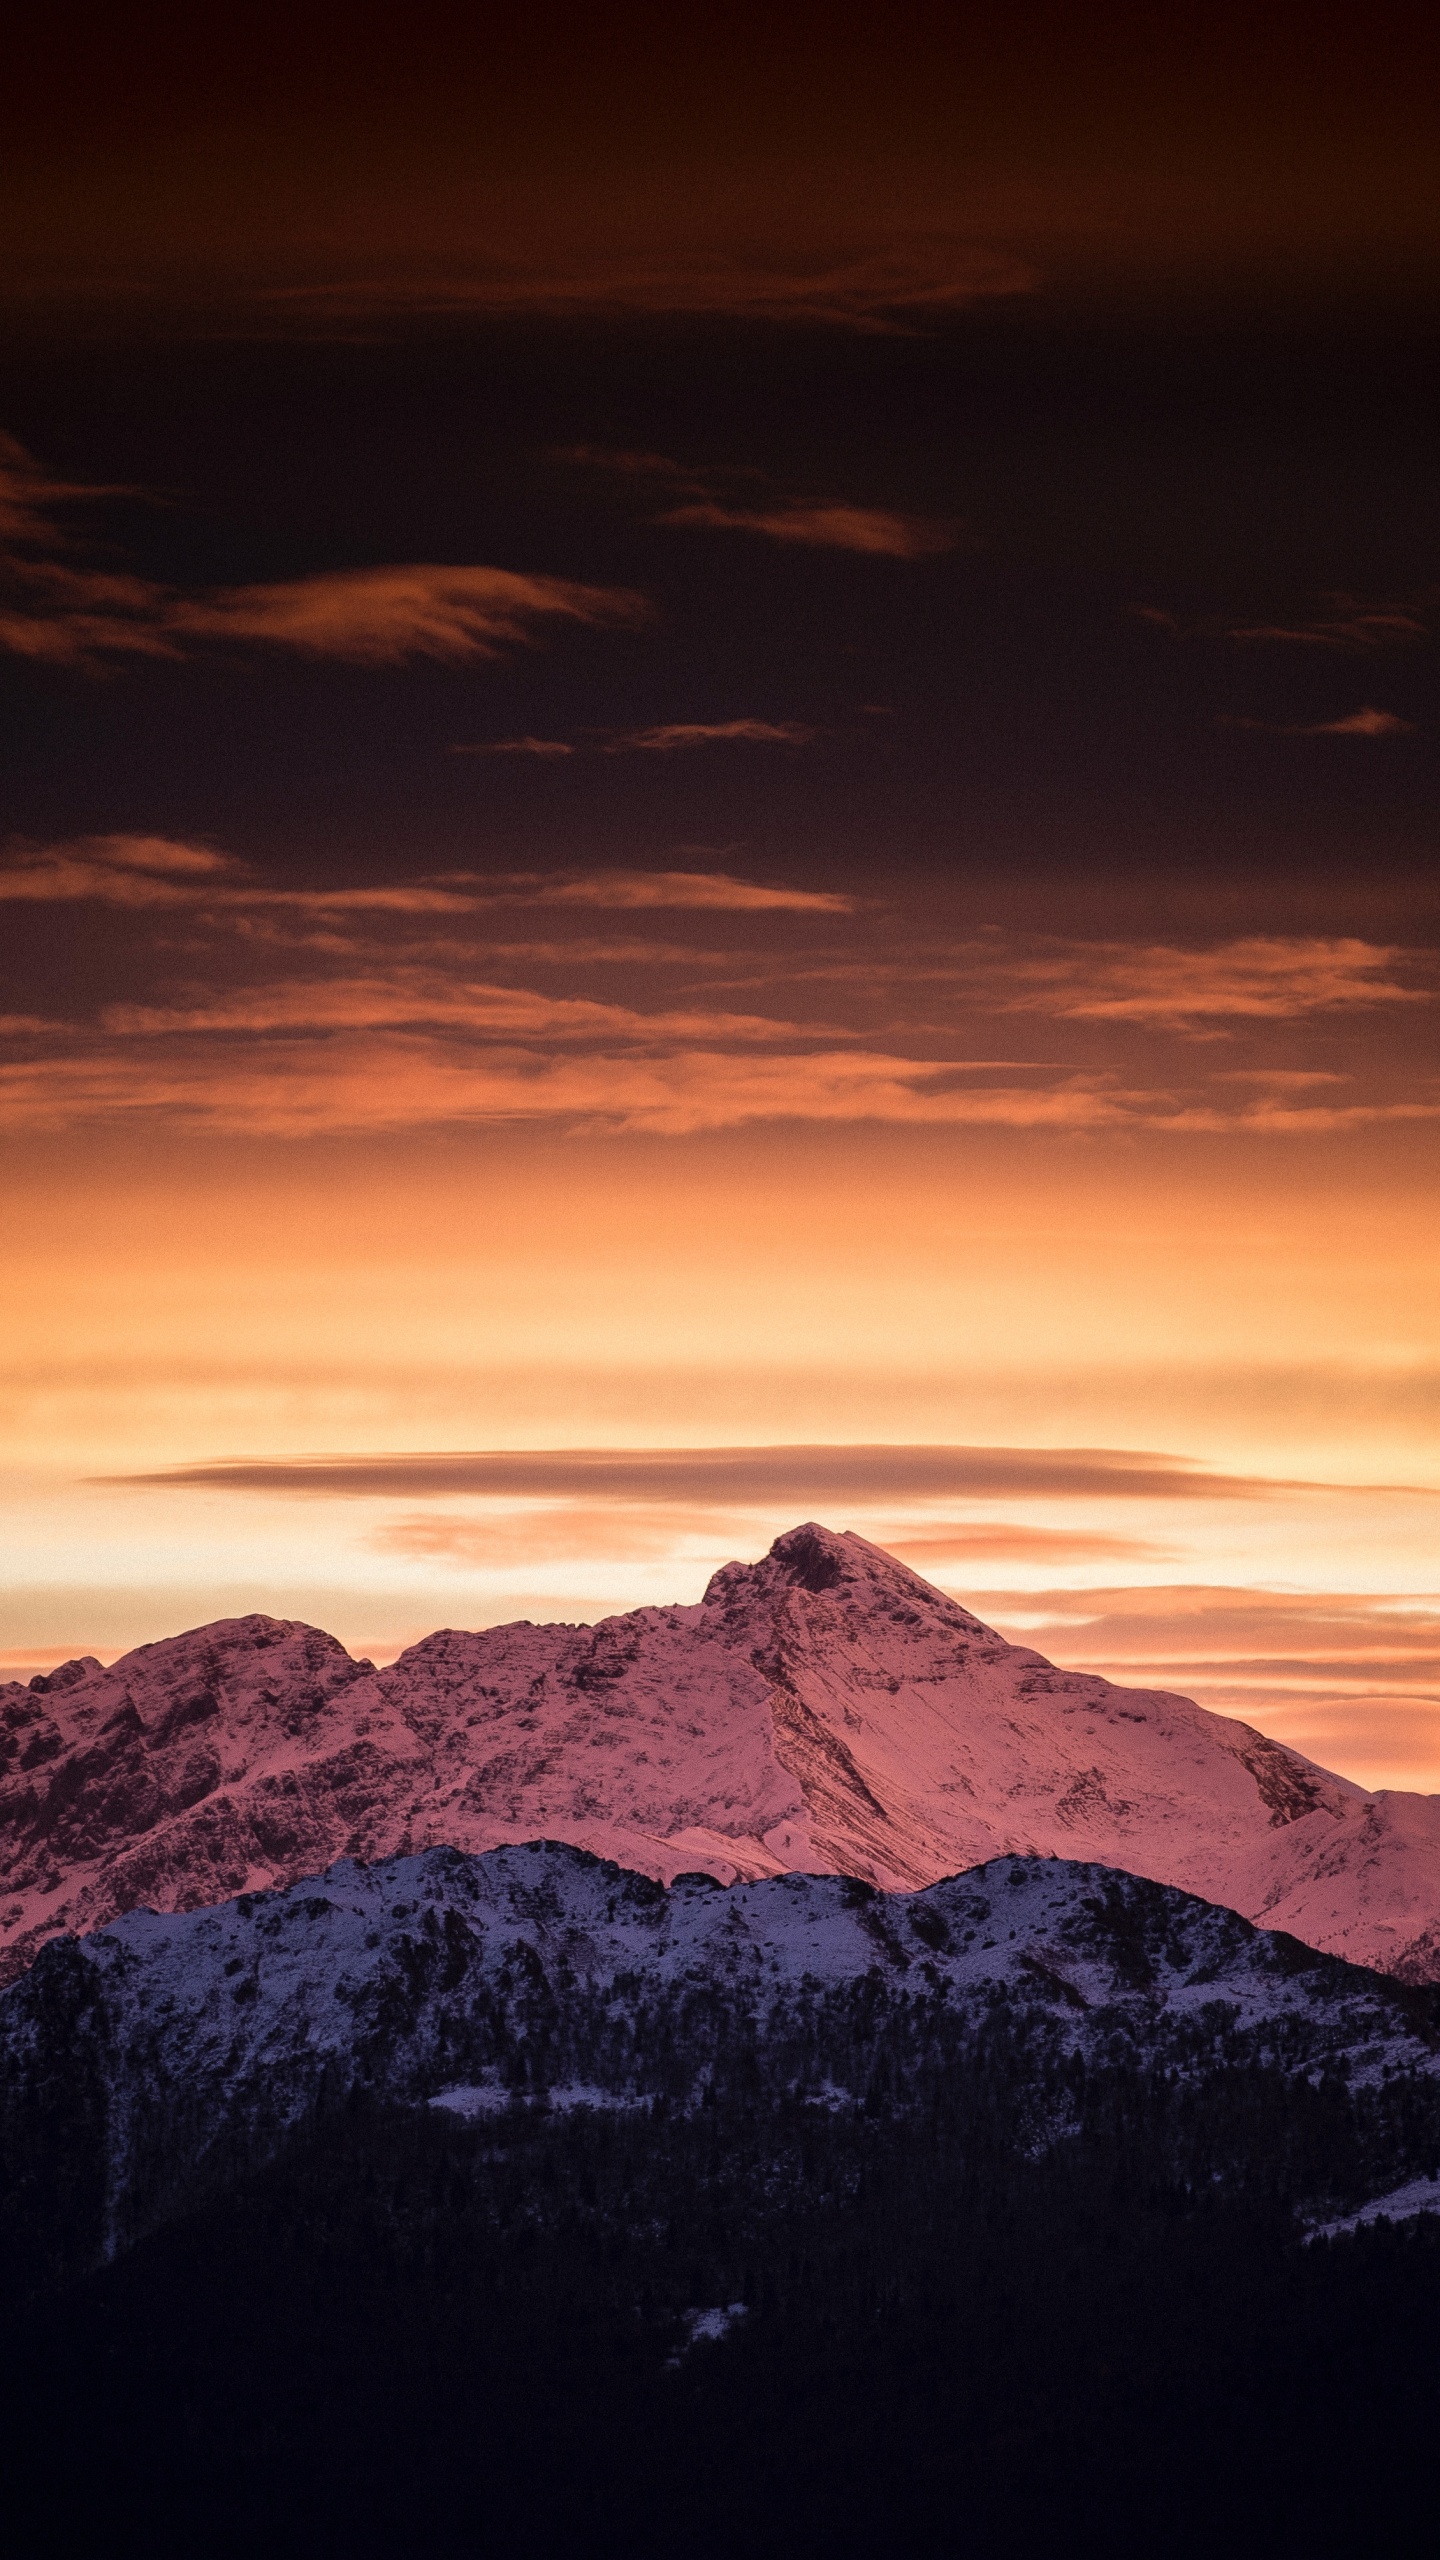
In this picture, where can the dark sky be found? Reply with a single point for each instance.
(1057, 691)
(255, 280)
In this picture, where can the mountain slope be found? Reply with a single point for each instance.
(823, 1710)
(171, 2054)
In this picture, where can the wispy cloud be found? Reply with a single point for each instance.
(1260, 977)
(50, 607)
(663, 739)
(1367, 722)
(681, 734)
(74, 616)
(569, 1533)
(1345, 623)
(373, 1009)
(156, 871)
(214, 1077)
(146, 871)
(115, 871)
(1349, 626)
(412, 996)
(897, 286)
(716, 890)
(375, 617)
(878, 531)
(29, 495)
(713, 499)
(970, 1542)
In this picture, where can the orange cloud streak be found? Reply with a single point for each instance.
(377, 617)
(877, 531)
(1275, 977)
(364, 617)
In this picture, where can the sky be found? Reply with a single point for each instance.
(719, 807)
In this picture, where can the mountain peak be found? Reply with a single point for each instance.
(814, 1559)
(813, 1556)
(809, 1557)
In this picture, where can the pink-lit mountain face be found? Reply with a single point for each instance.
(824, 1710)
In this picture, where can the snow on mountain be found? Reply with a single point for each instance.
(823, 1710)
(191, 2044)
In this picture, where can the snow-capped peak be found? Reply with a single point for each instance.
(823, 1709)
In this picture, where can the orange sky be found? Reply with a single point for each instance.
(822, 1177)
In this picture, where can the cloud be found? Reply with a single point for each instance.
(1360, 627)
(820, 1475)
(79, 618)
(573, 1533)
(384, 1057)
(875, 530)
(709, 500)
(156, 871)
(369, 1080)
(389, 1007)
(1367, 722)
(1348, 624)
(630, 464)
(379, 617)
(116, 870)
(661, 740)
(134, 870)
(992, 1540)
(898, 286)
(709, 733)
(28, 496)
(55, 612)
(1260, 977)
(419, 996)
(453, 1056)
(362, 617)
(51, 610)
(716, 890)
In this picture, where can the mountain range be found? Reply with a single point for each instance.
(791, 2069)
(173, 2053)
(822, 1711)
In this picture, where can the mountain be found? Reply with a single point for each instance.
(472, 2203)
(169, 2055)
(823, 1710)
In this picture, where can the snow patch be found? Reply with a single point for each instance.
(492, 2098)
(707, 2327)
(1402, 2204)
